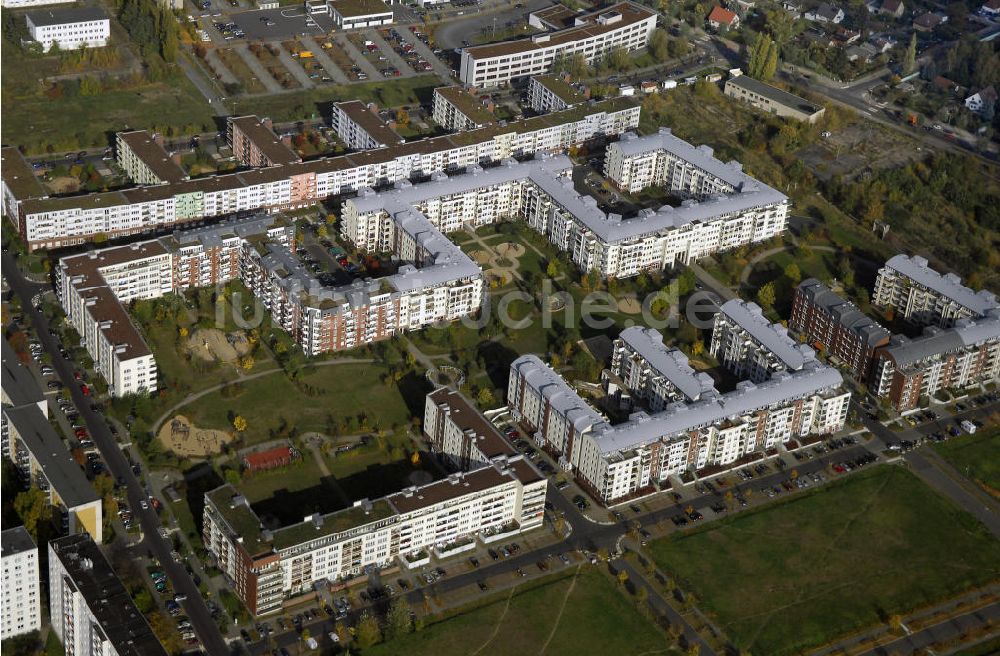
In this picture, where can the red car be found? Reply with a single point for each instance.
(81, 433)
(85, 390)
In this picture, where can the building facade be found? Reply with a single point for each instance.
(772, 100)
(624, 25)
(69, 27)
(924, 297)
(360, 128)
(21, 611)
(90, 610)
(142, 156)
(837, 326)
(752, 347)
(552, 93)
(458, 109)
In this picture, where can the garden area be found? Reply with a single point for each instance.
(841, 558)
(976, 457)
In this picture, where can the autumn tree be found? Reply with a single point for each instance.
(368, 631)
(766, 296)
(397, 620)
(240, 424)
(793, 273)
(910, 55)
(34, 509)
(402, 117)
(763, 61)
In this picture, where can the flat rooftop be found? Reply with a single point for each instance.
(18, 175)
(153, 155)
(357, 8)
(486, 436)
(64, 475)
(561, 88)
(106, 597)
(359, 113)
(468, 103)
(16, 540)
(19, 386)
(629, 14)
(774, 94)
(65, 15)
(265, 140)
(948, 285)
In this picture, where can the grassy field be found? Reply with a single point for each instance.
(562, 617)
(266, 402)
(976, 455)
(801, 573)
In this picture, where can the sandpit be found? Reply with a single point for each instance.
(212, 344)
(482, 257)
(629, 305)
(509, 249)
(187, 440)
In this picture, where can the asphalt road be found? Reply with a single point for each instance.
(194, 606)
(944, 632)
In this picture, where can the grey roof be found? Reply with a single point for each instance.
(772, 336)
(63, 474)
(16, 540)
(66, 15)
(937, 341)
(106, 597)
(775, 94)
(948, 285)
(846, 313)
(550, 385)
(672, 364)
(678, 418)
(19, 386)
(213, 235)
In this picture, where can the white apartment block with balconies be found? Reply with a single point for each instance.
(752, 347)
(624, 25)
(21, 611)
(923, 296)
(652, 372)
(69, 27)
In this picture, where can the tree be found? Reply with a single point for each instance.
(618, 59)
(623, 577)
(368, 631)
(305, 635)
(552, 269)
(765, 295)
(793, 273)
(233, 477)
(642, 594)
(659, 44)
(698, 347)
(576, 65)
(240, 424)
(402, 117)
(485, 397)
(910, 56)
(34, 509)
(397, 620)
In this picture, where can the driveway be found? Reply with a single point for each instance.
(227, 77)
(443, 70)
(366, 65)
(387, 50)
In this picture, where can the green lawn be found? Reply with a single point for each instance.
(586, 617)
(976, 456)
(267, 402)
(801, 573)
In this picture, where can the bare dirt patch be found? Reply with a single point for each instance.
(187, 440)
(482, 257)
(629, 305)
(212, 344)
(64, 184)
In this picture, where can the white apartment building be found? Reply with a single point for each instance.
(142, 156)
(752, 347)
(700, 427)
(653, 373)
(354, 14)
(360, 128)
(23, 4)
(70, 27)
(624, 25)
(458, 109)
(65, 221)
(923, 296)
(91, 612)
(495, 501)
(21, 611)
(552, 93)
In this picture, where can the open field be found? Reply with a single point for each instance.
(565, 616)
(271, 401)
(976, 456)
(798, 574)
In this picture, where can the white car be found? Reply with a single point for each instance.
(334, 638)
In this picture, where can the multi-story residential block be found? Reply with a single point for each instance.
(65, 221)
(772, 100)
(459, 432)
(360, 128)
(255, 144)
(21, 611)
(966, 354)
(91, 611)
(752, 347)
(19, 182)
(70, 27)
(354, 14)
(458, 109)
(837, 326)
(617, 462)
(552, 93)
(922, 296)
(653, 373)
(265, 566)
(624, 25)
(22, 4)
(43, 461)
(142, 156)
(18, 389)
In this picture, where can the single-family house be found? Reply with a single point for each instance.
(991, 8)
(825, 13)
(720, 17)
(980, 100)
(927, 21)
(793, 7)
(894, 8)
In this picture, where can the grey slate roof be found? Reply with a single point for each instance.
(846, 313)
(546, 382)
(772, 336)
(937, 341)
(774, 93)
(672, 364)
